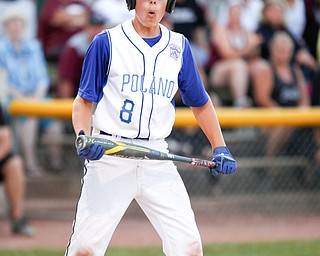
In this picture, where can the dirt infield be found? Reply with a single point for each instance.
(137, 232)
(288, 216)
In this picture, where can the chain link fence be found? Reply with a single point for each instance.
(285, 183)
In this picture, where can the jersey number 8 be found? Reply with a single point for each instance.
(126, 111)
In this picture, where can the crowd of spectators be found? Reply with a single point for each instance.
(230, 40)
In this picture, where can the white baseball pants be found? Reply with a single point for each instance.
(109, 186)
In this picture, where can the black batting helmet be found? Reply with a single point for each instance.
(169, 8)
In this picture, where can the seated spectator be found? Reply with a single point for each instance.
(287, 90)
(13, 177)
(72, 56)
(58, 21)
(234, 47)
(273, 20)
(30, 83)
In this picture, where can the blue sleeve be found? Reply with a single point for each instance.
(191, 87)
(95, 68)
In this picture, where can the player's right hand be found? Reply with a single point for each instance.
(94, 152)
(225, 163)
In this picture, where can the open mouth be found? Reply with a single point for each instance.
(151, 13)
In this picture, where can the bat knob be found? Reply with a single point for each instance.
(80, 142)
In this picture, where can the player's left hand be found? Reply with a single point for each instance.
(225, 163)
(94, 152)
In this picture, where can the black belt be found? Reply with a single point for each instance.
(122, 137)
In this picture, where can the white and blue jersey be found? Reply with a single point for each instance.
(134, 80)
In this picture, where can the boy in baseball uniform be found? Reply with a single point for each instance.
(130, 76)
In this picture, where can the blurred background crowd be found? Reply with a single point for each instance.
(250, 53)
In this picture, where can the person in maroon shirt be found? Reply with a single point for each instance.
(72, 56)
(58, 21)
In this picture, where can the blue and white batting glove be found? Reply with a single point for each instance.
(94, 152)
(225, 163)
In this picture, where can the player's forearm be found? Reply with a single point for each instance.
(208, 121)
(81, 115)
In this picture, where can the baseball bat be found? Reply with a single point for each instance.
(134, 151)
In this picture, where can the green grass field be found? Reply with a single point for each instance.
(287, 248)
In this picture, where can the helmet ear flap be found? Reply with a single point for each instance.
(170, 6)
(131, 4)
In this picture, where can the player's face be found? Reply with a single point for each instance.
(150, 12)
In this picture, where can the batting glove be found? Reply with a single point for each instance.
(94, 152)
(225, 163)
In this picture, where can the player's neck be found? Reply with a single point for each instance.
(144, 31)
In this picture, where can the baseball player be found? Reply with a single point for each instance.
(130, 76)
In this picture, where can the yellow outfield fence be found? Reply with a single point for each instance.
(228, 117)
(55, 108)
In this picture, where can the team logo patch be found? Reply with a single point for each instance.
(175, 51)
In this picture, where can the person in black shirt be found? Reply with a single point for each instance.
(272, 22)
(287, 90)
